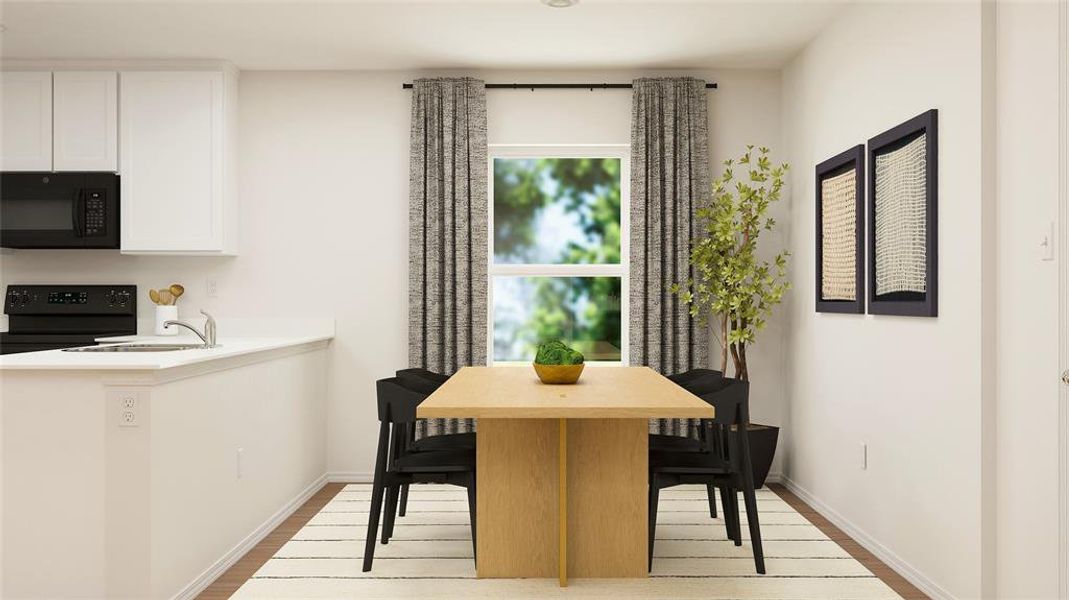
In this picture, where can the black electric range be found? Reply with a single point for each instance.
(50, 317)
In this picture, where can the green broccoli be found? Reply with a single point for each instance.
(556, 352)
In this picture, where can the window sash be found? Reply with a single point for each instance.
(621, 269)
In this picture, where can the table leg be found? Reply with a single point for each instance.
(517, 469)
(607, 497)
(562, 497)
(562, 470)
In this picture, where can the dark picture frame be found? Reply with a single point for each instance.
(907, 303)
(844, 162)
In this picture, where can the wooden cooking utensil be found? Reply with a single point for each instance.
(166, 297)
(177, 290)
(154, 296)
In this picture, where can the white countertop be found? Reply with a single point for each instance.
(122, 361)
(277, 334)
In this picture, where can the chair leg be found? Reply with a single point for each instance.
(711, 489)
(654, 495)
(377, 490)
(404, 501)
(730, 499)
(748, 494)
(737, 516)
(391, 511)
(471, 515)
(729, 526)
(750, 498)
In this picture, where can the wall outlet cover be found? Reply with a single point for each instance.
(128, 405)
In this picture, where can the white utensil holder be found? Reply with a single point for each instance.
(166, 313)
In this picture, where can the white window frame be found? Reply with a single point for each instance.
(622, 270)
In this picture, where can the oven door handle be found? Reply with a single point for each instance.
(78, 211)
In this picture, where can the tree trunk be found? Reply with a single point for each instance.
(745, 374)
(724, 343)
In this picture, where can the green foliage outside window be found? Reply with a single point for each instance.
(557, 211)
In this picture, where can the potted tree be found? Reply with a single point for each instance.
(732, 288)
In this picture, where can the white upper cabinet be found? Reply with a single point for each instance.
(85, 121)
(176, 162)
(26, 121)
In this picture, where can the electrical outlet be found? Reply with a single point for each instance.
(239, 463)
(211, 288)
(128, 406)
(864, 456)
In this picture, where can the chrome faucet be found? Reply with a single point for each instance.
(208, 337)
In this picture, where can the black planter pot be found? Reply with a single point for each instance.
(763, 440)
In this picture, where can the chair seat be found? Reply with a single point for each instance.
(442, 461)
(678, 443)
(696, 463)
(449, 441)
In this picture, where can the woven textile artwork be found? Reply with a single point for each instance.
(901, 233)
(838, 202)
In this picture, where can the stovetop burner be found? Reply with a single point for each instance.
(49, 317)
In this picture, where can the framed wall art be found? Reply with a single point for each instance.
(902, 210)
(840, 233)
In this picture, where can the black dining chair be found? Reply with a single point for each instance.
(697, 382)
(426, 382)
(724, 463)
(397, 465)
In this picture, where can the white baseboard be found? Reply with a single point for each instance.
(213, 572)
(923, 582)
(349, 477)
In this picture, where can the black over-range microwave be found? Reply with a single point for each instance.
(59, 210)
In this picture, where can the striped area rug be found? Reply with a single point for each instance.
(430, 556)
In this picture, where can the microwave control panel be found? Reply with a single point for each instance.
(95, 212)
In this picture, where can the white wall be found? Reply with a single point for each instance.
(324, 206)
(908, 387)
(1028, 386)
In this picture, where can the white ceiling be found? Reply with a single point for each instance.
(430, 34)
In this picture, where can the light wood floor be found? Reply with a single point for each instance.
(893, 580)
(233, 578)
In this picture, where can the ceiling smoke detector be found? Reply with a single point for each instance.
(560, 3)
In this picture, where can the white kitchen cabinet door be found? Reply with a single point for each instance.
(26, 121)
(85, 108)
(175, 145)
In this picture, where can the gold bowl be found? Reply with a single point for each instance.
(559, 374)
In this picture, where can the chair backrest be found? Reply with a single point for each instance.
(397, 403)
(423, 374)
(421, 380)
(731, 400)
(685, 376)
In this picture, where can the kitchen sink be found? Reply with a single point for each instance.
(137, 348)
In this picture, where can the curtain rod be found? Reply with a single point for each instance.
(560, 86)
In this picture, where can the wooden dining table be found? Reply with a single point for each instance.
(561, 470)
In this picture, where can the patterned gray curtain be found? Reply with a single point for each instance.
(447, 232)
(669, 179)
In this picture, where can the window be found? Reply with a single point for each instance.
(558, 250)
